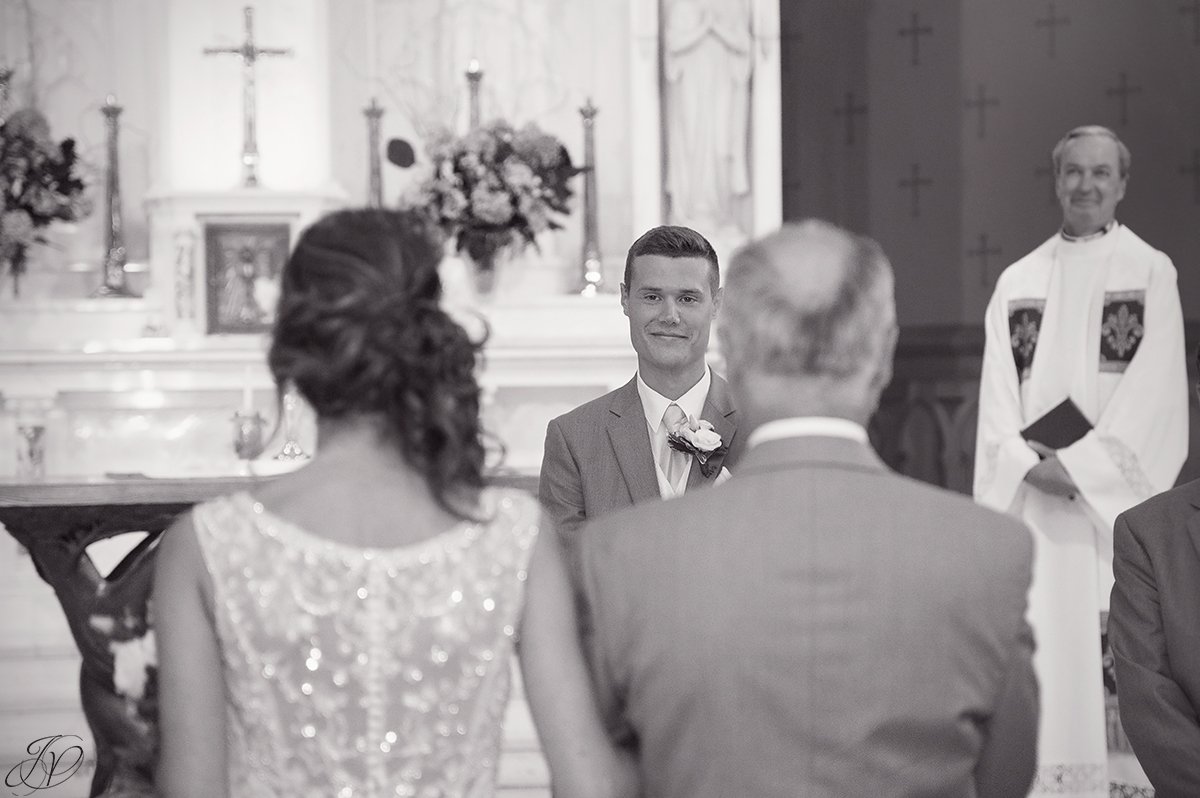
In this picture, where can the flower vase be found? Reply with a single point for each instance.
(485, 264)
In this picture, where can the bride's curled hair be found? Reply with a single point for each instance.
(359, 332)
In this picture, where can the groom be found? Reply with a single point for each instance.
(613, 452)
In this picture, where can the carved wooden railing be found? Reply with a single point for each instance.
(925, 427)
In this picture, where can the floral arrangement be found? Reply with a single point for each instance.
(497, 186)
(39, 183)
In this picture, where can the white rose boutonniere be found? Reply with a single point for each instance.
(698, 438)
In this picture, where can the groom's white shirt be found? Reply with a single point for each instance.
(654, 405)
(801, 426)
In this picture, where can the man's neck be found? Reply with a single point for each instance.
(672, 384)
(1091, 233)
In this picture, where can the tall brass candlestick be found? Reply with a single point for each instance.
(593, 268)
(373, 112)
(114, 258)
(474, 78)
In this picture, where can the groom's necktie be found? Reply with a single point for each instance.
(672, 462)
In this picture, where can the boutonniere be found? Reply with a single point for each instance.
(698, 438)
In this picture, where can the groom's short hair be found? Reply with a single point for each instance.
(809, 300)
(674, 241)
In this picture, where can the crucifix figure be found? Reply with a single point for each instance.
(982, 102)
(914, 183)
(1051, 23)
(1123, 91)
(249, 53)
(850, 110)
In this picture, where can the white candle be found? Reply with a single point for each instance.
(372, 55)
(247, 392)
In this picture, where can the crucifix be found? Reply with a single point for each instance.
(982, 252)
(850, 110)
(249, 53)
(915, 31)
(915, 183)
(1051, 23)
(982, 102)
(1194, 171)
(1123, 90)
(1194, 10)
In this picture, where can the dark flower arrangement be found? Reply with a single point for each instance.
(497, 186)
(39, 183)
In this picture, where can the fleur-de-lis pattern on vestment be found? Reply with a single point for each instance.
(1024, 324)
(1122, 328)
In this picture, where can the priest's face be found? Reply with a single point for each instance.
(671, 305)
(1089, 184)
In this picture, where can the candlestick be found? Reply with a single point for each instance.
(373, 112)
(474, 78)
(593, 274)
(114, 258)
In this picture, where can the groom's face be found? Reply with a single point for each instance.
(670, 305)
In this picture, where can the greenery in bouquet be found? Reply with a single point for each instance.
(40, 183)
(497, 186)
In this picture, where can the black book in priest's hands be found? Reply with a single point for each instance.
(1059, 427)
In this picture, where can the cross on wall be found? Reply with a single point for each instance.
(849, 111)
(1194, 170)
(1193, 9)
(982, 252)
(982, 102)
(1122, 91)
(915, 31)
(1052, 23)
(914, 183)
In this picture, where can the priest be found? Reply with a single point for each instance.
(1082, 414)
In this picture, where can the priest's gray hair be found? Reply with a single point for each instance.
(810, 300)
(1123, 156)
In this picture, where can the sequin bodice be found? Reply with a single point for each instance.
(365, 672)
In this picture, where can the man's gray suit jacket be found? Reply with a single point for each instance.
(1154, 627)
(598, 457)
(815, 626)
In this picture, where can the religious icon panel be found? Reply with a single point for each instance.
(243, 264)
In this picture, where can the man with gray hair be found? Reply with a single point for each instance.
(816, 625)
(1082, 414)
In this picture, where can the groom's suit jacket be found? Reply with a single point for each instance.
(815, 626)
(598, 457)
(1154, 627)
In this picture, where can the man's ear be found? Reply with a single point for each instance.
(717, 296)
(624, 299)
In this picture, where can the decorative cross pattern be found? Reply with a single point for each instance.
(982, 252)
(914, 183)
(850, 110)
(915, 31)
(1051, 22)
(1194, 171)
(1194, 10)
(1042, 172)
(982, 102)
(789, 39)
(1122, 91)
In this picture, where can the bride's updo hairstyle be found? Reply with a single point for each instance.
(359, 332)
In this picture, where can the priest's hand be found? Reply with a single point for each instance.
(1049, 476)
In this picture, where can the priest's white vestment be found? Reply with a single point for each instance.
(1099, 321)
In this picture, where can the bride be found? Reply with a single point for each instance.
(346, 630)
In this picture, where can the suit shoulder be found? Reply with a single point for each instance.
(587, 413)
(995, 534)
(1159, 511)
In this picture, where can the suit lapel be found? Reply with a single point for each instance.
(718, 409)
(630, 440)
(1193, 524)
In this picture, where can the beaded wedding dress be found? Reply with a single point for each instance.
(365, 672)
